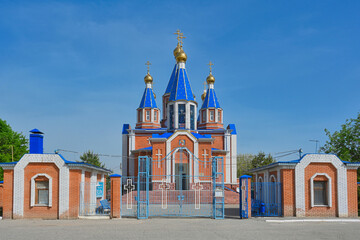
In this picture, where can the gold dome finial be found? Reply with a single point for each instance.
(148, 78)
(204, 93)
(181, 56)
(210, 78)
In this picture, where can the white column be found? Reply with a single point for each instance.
(176, 116)
(233, 158)
(196, 161)
(131, 147)
(227, 159)
(82, 190)
(168, 161)
(93, 181)
(152, 119)
(187, 116)
(125, 155)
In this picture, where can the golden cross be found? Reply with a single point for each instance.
(205, 85)
(148, 66)
(210, 65)
(178, 33)
(181, 38)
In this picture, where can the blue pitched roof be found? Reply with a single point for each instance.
(165, 135)
(126, 126)
(210, 99)
(172, 79)
(148, 99)
(233, 128)
(197, 135)
(35, 130)
(181, 89)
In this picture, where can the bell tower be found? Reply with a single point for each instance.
(211, 114)
(148, 114)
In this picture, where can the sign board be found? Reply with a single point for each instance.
(219, 192)
(99, 190)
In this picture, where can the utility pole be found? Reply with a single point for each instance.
(316, 144)
(12, 152)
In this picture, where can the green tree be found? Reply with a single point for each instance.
(244, 163)
(92, 158)
(13, 145)
(261, 159)
(345, 143)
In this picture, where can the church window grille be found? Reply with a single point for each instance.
(219, 117)
(155, 116)
(204, 116)
(147, 115)
(182, 115)
(171, 116)
(192, 117)
(211, 115)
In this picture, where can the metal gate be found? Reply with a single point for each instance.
(179, 185)
(266, 199)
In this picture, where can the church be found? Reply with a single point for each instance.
(184, 135)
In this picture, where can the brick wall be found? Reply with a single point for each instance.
(310, 171)
(1, 195)
(352, 193)
(8, 194)
(41, 211)
(74, 193)
(288, 192)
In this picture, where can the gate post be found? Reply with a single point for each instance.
(245, 196)
(115, 195)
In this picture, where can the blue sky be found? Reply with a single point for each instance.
(284, 70)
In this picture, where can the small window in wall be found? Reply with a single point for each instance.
(140, 116)
(320, 193)
(155, 116)
(204, 116)
(147, 115)
(211, 115)
(42, 192)
(219, 116)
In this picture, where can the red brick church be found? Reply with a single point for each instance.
(183, 121)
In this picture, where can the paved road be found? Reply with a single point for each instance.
(173, 228)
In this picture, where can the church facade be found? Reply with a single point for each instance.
(197, 128)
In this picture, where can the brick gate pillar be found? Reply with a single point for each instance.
(115, 195)
(8, 194)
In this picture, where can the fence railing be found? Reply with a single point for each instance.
(266, 199)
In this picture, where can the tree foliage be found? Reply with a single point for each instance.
(13, 145)
(261, 159)
(245, 162)
(345, 143)
(92, 158)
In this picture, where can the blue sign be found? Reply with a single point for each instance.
(99, 190)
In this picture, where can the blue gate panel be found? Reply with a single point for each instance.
(266, 199)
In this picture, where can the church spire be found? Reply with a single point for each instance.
(148, 112)
(179, 100)
(210, 112)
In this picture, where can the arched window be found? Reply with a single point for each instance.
(41, 190)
